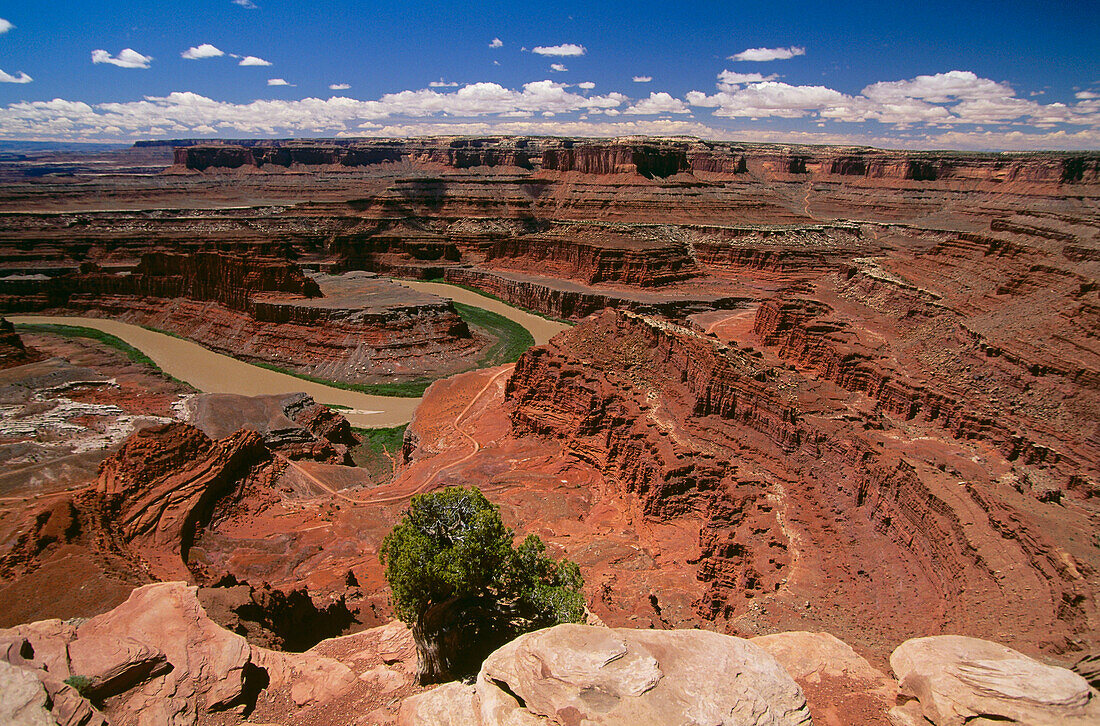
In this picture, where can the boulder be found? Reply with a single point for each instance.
(49, 640)
(395, 643)
(451, 704)
(209, 664)
(113, 664)
(957, 680)
(23, 699)
(311, 678)
(15, 649)
(575, 674)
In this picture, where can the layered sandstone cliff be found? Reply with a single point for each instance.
(795, 488)
(652, 158)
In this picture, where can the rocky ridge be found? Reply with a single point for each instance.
(159, 658)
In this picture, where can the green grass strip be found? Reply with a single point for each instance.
(512, 338)
(79, 331)
(384, 439)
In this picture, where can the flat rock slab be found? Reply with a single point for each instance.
(573, 674)
(957, 679)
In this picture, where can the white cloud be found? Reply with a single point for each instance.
(247, 4)
(339, 86)
(767, 99)
(940, 88)
(658, 103)
(558, 67)
(251, 60)
(496, 43)
(908, 121)
(277, 82)
(9, 78)
(201, 51)
(768, 54)
(185, 113)
(730, 78)
(1086, 95)
(566, 49)
(642, 79)
(5, 26)
(586, 85)
(127, 58)
(443, 84)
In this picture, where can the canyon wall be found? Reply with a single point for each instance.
(783, 477)
(651, 158)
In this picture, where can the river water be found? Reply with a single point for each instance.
(216, 373)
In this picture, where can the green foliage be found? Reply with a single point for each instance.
(512, 338)
(383, 439)
(377, 450)
(452, 546)
(82, 684)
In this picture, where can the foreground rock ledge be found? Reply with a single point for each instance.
(957, 680)
(574, 674)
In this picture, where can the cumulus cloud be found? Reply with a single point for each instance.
(443, 84)
(909, 119)
(277, 82)
(247, 4)
(658, 103)
(201, 51)
(566, 49)
(5, 26)
(940, 100)
(127, 58)
(642, 79)
(9, 78)
(339, 86)
(768, 99)
(558, 67)
(768, 54)
(940, 88)
(730, 78)
(495, 43)
(251, 60)
(184, 113)
(586, 85)
(1086, 95)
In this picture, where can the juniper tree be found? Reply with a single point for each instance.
(464, 589)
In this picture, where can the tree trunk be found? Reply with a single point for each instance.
(454, 637)
(430, 667)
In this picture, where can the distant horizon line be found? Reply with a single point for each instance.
(184, 142)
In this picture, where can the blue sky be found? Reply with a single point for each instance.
(982, 75)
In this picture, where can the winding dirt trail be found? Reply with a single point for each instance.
(390, 498)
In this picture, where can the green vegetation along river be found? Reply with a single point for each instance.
(216, 373)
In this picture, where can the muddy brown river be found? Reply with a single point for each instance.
(212, 372)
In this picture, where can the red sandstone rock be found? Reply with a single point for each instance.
(12, 350)
(163, 485)
(841, 687)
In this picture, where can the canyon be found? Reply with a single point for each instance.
(795, 389)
